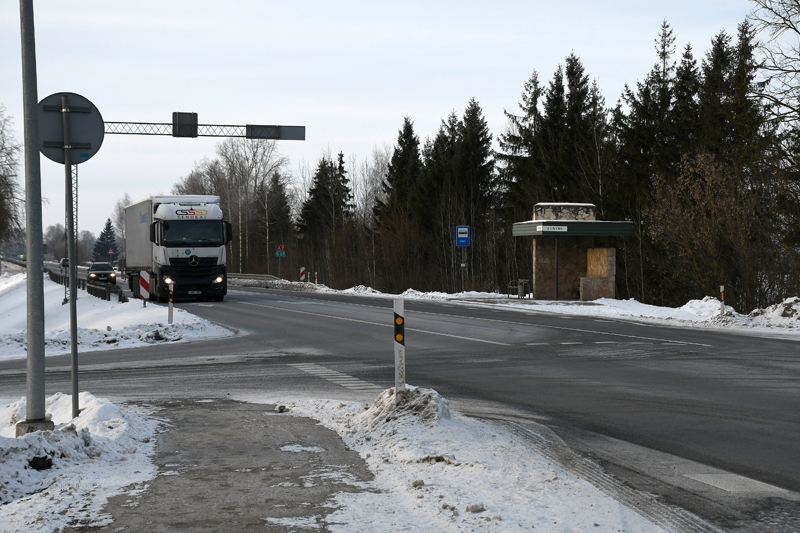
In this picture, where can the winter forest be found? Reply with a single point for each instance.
(700, 153)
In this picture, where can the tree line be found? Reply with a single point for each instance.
(701, 154)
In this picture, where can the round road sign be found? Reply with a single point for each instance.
(84, 123)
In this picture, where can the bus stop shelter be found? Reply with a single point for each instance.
(566, 264)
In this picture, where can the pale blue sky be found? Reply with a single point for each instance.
(348, 71)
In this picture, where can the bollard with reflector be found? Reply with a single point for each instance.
(169, 314)
(399, 352)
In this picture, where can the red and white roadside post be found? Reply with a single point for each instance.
(144, 286)
(399, 352)
(302, 273)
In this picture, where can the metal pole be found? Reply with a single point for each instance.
(35, 409)
(399, 352)
(556, 261)
(73, 309)
(463, 266)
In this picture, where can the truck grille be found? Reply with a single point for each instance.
(204, 270)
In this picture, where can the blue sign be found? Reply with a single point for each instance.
(462, 235)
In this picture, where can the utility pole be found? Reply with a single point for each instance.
(35, 411)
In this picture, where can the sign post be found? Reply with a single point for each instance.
(280, 253)
(302, 273)
(399, 351)
(71, 131)
(463, 238)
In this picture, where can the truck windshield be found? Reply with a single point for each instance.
(196, 233)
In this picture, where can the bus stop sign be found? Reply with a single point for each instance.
(462, 236)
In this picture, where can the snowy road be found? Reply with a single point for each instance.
(706, 418)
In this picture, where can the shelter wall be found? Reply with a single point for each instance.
(572, 265)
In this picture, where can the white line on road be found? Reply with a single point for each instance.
(338, 378)
(579, 330)
(382, 324)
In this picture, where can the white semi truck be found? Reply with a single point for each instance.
(180, 240)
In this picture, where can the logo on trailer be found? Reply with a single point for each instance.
(191, 213)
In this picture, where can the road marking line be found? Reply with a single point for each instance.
(606, 333)
(735, 483)
(379, 324)
(570, 343)
(338, 378)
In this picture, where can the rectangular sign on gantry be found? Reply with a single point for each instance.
(462, 236)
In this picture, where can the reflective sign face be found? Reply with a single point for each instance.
(462, 236)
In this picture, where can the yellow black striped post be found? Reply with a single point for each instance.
(399, 351)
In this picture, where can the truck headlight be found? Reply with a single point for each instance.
(167, 280)
(219, 279)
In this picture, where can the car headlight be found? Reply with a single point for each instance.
(112, 275)
(92, 275)
(219, 279)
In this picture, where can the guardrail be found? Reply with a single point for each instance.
(16, 262)
(265, 277)
(98, 290)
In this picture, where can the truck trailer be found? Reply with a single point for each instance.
(180, 240)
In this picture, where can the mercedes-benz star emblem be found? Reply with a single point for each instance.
(194, 261)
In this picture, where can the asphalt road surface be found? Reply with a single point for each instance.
(708, 420)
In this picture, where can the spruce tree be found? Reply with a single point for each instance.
(105, 248)
(402, 176)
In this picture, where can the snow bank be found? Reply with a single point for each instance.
(439, 471)
(102, 325)
(93, 457)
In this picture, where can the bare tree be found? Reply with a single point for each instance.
(55, 239)
(9, 191)
(248, 163)
(366, 181)
(118, 218)
(779, 21)
(85, 244)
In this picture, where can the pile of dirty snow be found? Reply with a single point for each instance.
(51, 479)
(439, 471)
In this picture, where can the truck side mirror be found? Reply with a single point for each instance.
(153, 232)
(228, 232)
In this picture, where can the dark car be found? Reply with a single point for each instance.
(102, 273)
(64, 263)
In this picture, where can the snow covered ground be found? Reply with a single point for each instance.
(93, 457)
(102, 325)
(440, 471)
(434, 470)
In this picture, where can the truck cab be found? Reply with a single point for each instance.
(185, 240)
